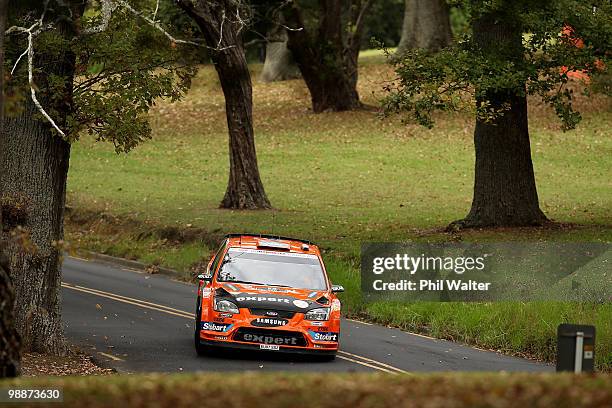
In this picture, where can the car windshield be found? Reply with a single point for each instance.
(272, 268)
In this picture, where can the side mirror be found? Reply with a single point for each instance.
(337, 288)
(205, 278)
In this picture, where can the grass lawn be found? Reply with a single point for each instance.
(326, 390)
(340, 179)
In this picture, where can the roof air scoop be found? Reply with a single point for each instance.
(273, 245)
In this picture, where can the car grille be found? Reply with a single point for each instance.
(280, 337)
(279, 313)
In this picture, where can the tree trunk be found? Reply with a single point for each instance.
(328, 63)
(9, 339)
(426, 26)
(34, 160)
(504, 187)
(279, 64)
(36, 165)
(245, 189)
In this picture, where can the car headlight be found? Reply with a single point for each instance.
(318, 314)
(222, 305)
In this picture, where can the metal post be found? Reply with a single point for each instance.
(578, 356)
(576, 348)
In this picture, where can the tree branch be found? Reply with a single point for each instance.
(31, 32)
(107, 12)
(107, 8)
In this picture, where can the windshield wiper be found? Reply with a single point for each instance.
(241, 281)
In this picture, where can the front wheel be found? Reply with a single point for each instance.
(327, 357)
(200, 349)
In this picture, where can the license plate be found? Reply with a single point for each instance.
(269, 347)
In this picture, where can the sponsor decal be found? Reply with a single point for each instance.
(273, 289)
(220, 337)
(263, 339)
(316, 323)
(226, 314)
(219, 320)
(269, 347)
(302, 304)
(271, 313)
(323, 336)
(277, 290)
(217, 327)
(262, 299)
(269, 322)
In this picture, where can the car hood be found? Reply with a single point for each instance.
(273, 297)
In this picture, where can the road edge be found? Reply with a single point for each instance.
(127, 263)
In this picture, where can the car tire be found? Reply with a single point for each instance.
(327, 357)
(200, 349)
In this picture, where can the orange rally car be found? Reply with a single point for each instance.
(265, 292)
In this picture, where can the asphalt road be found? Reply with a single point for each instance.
(136, 322)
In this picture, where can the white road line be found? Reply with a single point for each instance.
(422, 335)
(130, 301)
(366, 364)
(80, 259)
(110, 356)
(358, 321)
(390, 367)
(71, 286)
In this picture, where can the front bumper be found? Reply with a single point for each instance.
(255, 347)
(288, 338)
(251, 328)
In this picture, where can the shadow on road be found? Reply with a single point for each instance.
(264, 356)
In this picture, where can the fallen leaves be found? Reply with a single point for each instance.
(75, 363)
(152, 269)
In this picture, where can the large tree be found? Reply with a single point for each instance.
(35, 167)
(426, 26)
(221, 25)
(327, 50)
(78, 79)
(504, 187)
(9, 339)
(515, 49)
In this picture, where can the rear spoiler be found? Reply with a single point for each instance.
(269, 236)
